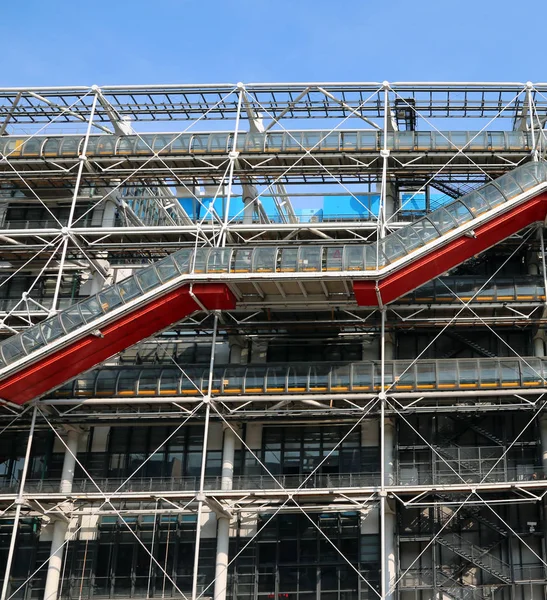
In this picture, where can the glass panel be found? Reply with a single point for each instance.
(404, 140)
(148, 278)
(459, 212)
(255, 380)
(354, 258)
(368, 140)
(200, 260)
(219, 260)
(476, 203)
(510, 373)
(425, 375)
(497, 140)
(310, 139)
(334, 258)
(127, 382)
(51, 147)
(243, 261)
(181, 144)
(525, 177)
(91, 309)
(233, 380)
(298, 379)
(425, 230)
(349, 140)
(409, 238)
(291, 141)
(275, 379)
(167, 269)
(148, 382)
(264, 260)
(319, 378)
(331, 141)
(531, 372)
(478, 141)
(161, 143)
(468, 373)
(405, 378)
(109, 299)
(372, 259)
(199, 143)
(129, 289)
(274, 142)
(489, 373)
(32, 339)
(361, 378)
(309, 258)
(492, 195)
(340, 378)
(442, 220)
(169, 382)
(71, 318)
(218, 142)
(182, 258)
(254, 142)
(393, 247)
(447, 374)
(288, 259)
(12, 350)
(52, 329)
(508, 185)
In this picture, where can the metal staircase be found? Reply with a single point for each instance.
(480, 557)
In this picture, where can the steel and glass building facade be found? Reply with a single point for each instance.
(273, 341)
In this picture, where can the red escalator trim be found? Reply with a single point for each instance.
(437, 262)
(80, 356)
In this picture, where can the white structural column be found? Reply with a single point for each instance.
(60, 526)
(223, 523)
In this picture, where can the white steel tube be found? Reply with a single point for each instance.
(60, 527)
(18, 502)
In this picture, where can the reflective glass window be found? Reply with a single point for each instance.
(264, 260)
(423, 140)
(147, 278)
(368, 140)
(447, 374)
(254, 142)
(311, 139)
(330, 141)
(497, 140)
(32, 339)
(12, 350)
(525, 177)
(90, 309)
(468, 373)
(404, 374)
(404, 140)
(109, 299)
(169, 382)
(349, 140)
(31, 147)
(425, 229)
(459, 212)
(531, 372)
(319, 378)
(129, 289)
(243, 260)
(105, 145)
(183, 260)
(127, 382)
(478, 141)
(219, 260)
(52, 329)
(167, 269)
(255, 379)
(52, 146)
(200, 260)
(492, 195)
(361, 376)
(458, 138)
(425, 375)
(71, 318)
(340, 378)
(510, 373)
(148, 382)
(515, 140)
(105, 383)
(476, 203)
(508, 185)
(442, 220)
(505, 289)
(161, 144)
(233, 380)
(218, 142)
(392, 247)
(181, 144)
(309, 258)
(199, 142)
(489, 376)
(292, 141)
(409, 238)
(274, 142)
(125, 145)
(288, 259)
(190, 380)
(373, 258)
(334, 258)
(276, 379)
(354, 258)
(297, 379)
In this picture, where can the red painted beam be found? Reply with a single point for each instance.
(437, 262)
(80, 356)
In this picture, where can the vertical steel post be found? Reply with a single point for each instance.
(200, 495)
(18, 503)
(65, 231)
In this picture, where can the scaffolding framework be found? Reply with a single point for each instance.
(302, 430)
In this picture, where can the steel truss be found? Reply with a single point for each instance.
(96, 219)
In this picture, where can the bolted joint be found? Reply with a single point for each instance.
(233, 155)
(384, 153)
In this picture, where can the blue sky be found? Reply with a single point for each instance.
(198, 41)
